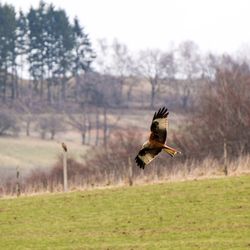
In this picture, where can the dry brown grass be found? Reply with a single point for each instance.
(208, 168)
(82, 178)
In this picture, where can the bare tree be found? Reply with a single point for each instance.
(105, 126)
(8, 122)
(122, 63)
(151, 68)
(97, 126)
(79, 121)
(102, 62)
(114, 161)
(222, 118)
(26, 106)
(116, 60)
(51, 124)
(189, 69)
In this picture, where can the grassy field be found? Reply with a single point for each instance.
(29, 152)
(204, 214)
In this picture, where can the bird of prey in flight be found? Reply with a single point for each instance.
(157, 140)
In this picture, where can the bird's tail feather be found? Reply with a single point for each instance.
(170, 151)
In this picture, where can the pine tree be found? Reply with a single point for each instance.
(37, 39)
(64, 50)
(55, 50)
(21, 45)
(7, 49)
(83, 54)
(50, 55)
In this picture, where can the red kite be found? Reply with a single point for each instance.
(156, 142)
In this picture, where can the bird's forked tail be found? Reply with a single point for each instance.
(171, 151)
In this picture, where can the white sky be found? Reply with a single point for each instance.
(215, 25)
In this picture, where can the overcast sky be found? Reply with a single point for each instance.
(215, 25)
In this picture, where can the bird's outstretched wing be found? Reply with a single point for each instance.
(159, 126)
(146, 155)
(156, 140)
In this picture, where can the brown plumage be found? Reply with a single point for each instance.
(64, 147)
(156, 142)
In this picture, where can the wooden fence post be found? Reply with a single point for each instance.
(18, 189)
(130, 172)
(65, 172)
(225, 156)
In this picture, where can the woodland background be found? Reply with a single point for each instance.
(54, 87)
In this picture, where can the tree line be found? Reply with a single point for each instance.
(219, 124)
(54, 49)
(56, 57)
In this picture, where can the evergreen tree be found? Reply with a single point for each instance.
(65, 44)
(54, 49)
(50, 55)
(21, 44)
(7, 48)
(83, 54)
(37, 40)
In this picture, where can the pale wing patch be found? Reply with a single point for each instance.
(147, 158)
(162, 123)
(157, 138)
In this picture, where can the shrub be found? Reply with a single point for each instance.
(51, 124)
(8, 123)
(50, 180)
(222, 118)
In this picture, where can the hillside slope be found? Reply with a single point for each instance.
(206, 214)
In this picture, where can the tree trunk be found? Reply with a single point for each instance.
(152, 101)
(12, 86)
(63, 90)
(16, 84)
(105, 127)
(97, 127)
(77, 88)
(83, 138)
(52, 134)
(28, 128)
(4, 84)
(41, 87)
(49, 91)
(89, 131)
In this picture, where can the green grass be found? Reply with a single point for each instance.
(206, 214)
